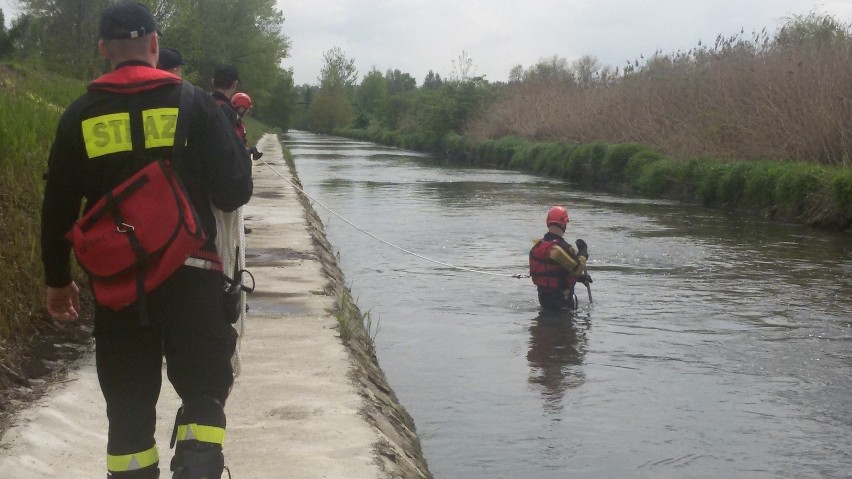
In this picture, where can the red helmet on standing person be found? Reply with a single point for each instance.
(558, 215)
(241, 100)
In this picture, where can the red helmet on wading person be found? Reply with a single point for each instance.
(558, 215)
(241, 101)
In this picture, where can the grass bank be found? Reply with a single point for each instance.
(31, 102)
(806, 193)
(31, 346)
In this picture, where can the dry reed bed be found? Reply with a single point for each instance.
(791, 104)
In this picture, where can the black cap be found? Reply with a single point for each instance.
(127, 20)
(225, 76)
(170, 58)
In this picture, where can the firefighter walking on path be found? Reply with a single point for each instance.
(127, 124)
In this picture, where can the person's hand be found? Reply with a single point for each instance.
(585, 279)
(255, 155)
(63, 304)
(582, 249)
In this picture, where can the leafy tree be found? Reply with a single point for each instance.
(371, 96)
(21, 38)
(279, 107)
(431, 113)
(396, 109)
(303, 96)
(399, 82)
(65, 32)
(814, 28)
(338, 71)
(331, 107)
(516, 74)
(247, 34)
(432, 81)
(550, 70)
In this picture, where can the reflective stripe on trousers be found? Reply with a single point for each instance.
(132, 462)
(201, 433)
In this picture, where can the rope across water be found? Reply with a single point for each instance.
(381, 240)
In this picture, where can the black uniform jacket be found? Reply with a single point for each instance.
(231, 114)
(92, 154)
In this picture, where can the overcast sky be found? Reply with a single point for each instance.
(418, 35)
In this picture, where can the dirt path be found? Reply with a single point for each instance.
(304, 406)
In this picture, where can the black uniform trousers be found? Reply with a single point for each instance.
(554, 300)
(188, 327)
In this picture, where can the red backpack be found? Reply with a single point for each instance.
(143, 230)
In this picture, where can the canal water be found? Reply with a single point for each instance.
(715, 346)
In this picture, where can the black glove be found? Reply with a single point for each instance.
(255, 155)
(582, 249)
(585, 279)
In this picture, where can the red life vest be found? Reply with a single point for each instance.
(545, 272)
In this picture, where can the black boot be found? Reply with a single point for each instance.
(146, 473)
(197, 460)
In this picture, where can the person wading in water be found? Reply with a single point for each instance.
(555, 266)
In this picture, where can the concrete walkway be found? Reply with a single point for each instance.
(294, 411)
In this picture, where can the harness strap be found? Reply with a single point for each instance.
(137, 137)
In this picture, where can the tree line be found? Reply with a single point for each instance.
(781, 96)
(391, 100)
(61, 36)
(729, 99)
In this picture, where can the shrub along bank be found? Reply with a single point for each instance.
(800, 192)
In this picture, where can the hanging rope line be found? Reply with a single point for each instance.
(452, 266)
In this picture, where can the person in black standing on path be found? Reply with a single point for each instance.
(171, 61)
(92, 154)
(225, 82)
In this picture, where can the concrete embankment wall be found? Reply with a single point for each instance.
(398, 448)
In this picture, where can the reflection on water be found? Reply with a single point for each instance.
(717, 346)
(557, 346)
